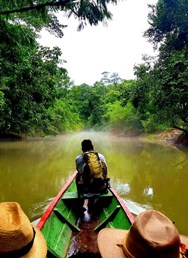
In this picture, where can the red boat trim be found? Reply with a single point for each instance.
(123, 205)
(54, 202)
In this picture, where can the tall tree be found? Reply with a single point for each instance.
(30, 80)
(168, 21)
(169, 91)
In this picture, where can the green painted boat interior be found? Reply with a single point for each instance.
(64, 229)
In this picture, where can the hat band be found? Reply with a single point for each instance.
(125, 250)
(20, 252)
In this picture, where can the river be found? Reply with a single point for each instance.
(146, 175)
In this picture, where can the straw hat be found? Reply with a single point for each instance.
(18, 238)
(152, 235)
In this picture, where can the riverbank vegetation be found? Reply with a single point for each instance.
(37, 96)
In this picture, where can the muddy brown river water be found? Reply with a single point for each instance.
(146, 175)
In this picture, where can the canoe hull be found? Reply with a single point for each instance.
(72, 232)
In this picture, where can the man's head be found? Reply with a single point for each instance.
(87, 145)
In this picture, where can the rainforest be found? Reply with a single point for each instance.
(37, 96)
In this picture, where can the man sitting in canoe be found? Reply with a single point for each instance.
(92, 170)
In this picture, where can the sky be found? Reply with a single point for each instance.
(114, 48)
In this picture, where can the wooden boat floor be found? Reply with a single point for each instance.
(84, 243)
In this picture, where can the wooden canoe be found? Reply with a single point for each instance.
(70, 232)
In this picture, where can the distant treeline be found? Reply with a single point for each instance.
(37, 96)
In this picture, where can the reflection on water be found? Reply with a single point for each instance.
(148, 192)
(148, 175)
(122, 188)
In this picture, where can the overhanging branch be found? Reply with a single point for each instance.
(37, 7)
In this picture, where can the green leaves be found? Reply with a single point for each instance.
(42, 13)
(165, 98)
(169, 24)
(31, 80)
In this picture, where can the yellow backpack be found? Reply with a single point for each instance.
(93, 166)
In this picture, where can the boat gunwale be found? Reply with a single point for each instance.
(123, 205)
(49, 210)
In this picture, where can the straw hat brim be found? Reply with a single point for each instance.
(39, 248)
(109, 242)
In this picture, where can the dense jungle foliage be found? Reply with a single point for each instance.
(38, 97)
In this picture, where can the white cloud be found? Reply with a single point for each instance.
(113, 48)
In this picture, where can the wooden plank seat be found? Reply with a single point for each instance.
(74, 195)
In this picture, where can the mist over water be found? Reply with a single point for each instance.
(146, 175)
